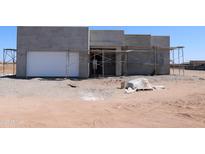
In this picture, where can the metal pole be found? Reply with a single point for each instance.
(103, 71)
(3, 60)
(67, 64)
(155, 60)
(13, 60)
(156, 71)
(173, 61)
(127, 64)
(183, 59)
(13, 66)
(94, 64)
(179, 60)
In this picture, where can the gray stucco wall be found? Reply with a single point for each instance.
(109, 39)
(79, 39)
(106, 38)
(162, 41)
(137, 40)
(142, 61)
(139, 61)
(52, 39)
(163, 57)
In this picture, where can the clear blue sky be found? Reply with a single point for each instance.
(193, 38)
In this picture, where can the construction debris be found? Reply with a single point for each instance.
(129, 90)
(158, 87)
(72, 85)
(122, 84)
(140, 84)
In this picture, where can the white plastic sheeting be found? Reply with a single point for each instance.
(138, 84)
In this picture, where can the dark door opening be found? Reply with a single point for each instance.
(109, 64)
(102, 63)
(96, 64)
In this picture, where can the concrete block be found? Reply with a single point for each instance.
(137, 40)
(106, 38)
(51, 39)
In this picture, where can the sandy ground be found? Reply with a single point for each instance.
(8, 69)
(100, 103)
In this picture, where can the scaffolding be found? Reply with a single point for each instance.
(95, 54)
(9, 58)
(125, 50)
(177, 60)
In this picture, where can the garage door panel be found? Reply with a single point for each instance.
(46, 64)
(73, 64)
(52, 64)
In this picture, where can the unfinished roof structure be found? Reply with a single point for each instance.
(80, 52)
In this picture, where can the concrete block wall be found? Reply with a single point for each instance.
(80, 39)
(163, 57)
(52, 39)
(139, 61)
(137, 40)
(142, 62)
(106, 38)
(109, 39)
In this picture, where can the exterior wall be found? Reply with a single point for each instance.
(137, 40)
(163, 57)
(139, 61)
(52, 39)
(109, 39)
(142, 62)
(106, 38)
(79, 39)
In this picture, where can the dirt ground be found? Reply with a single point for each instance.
(101, 103)
(8, 68)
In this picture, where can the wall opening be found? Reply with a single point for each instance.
(102, 62)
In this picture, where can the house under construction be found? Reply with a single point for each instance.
(80, 52)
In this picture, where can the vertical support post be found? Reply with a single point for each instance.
(178, 60)
(3, 60)
(127, 64)
(118, 62)
(103, 61)
(26, 55)
(93, 64)
(173, 61)
(124, 63)
(155, 60)
(67, 64)
(13, 60)
(183, 59)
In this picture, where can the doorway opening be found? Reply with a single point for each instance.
(102, 62)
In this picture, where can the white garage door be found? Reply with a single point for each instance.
(73, 64)
(51, 64)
